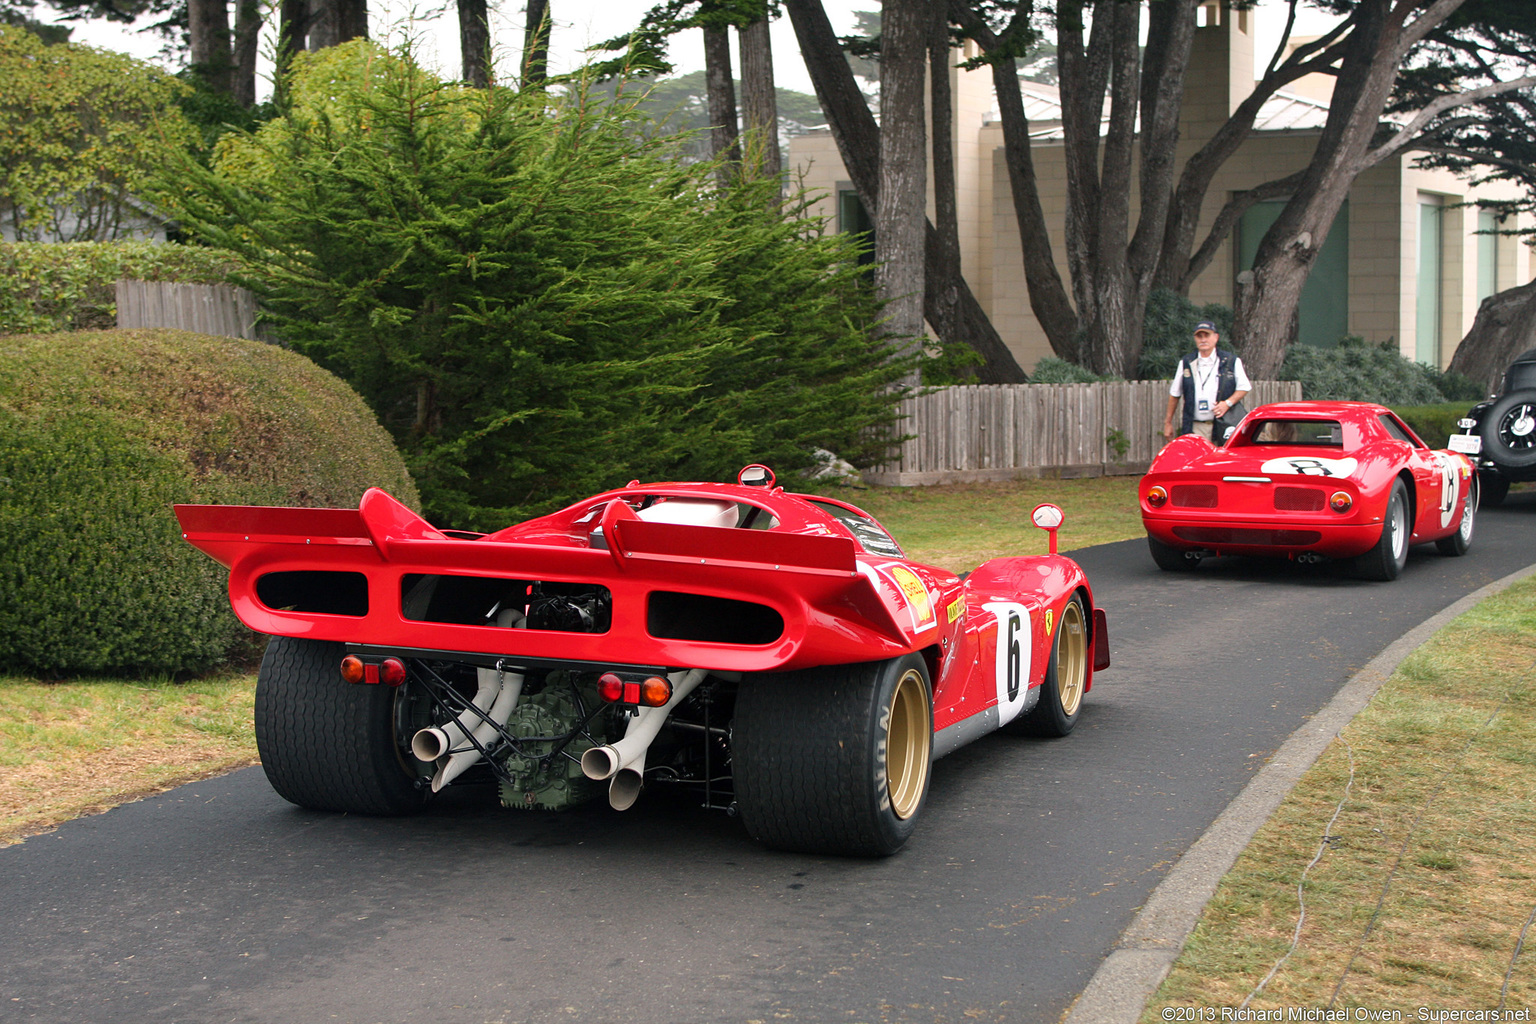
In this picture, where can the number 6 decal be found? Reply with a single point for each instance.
(1014, 643)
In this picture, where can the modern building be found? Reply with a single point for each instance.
(1408, 259)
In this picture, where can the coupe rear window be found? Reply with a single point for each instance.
(1322, 433)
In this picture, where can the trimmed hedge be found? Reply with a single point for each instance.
(1433, 423)
(100, 433)
(71, 286)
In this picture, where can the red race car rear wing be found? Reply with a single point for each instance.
(829, 612)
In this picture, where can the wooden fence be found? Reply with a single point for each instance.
(219, 309)
(1018, 431)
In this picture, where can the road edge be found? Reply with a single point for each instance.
(1118, 992)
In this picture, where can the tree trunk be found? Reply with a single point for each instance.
(247, 46)
(294, 20)
(475, 43)
(324, 24)
(208, 36)
(721, 89)
(899, 217)
(351, 19)
(858, 142)
(943, 266)
(1505, 327)
(759, 103)
(536, 43)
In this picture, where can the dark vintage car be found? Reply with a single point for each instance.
(1500, 434)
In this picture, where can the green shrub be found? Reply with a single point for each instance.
(1433, 423)
(1055, 370)
(71, 286)
(1355, 371)
(542, 301)
(100, 433)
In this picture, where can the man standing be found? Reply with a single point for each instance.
(1210, 381)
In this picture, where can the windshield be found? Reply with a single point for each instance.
(870, 535)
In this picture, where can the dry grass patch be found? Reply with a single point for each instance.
(959, 526)
(1427, 875)
(68, 749)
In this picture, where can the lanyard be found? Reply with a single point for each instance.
(1200, 381)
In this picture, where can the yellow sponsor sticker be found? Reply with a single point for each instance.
(917, 594)
(956, 608)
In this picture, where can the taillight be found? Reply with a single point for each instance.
(352, 669)
(1340, 501)
(655, 692)
(392, 672)
(649, 693)
(1157, 497)
(610, 687)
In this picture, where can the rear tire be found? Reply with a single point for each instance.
(1458, 542)
(1492, 490)
(1066, 678)
(1509, 430)
(1386, 560)
(1170, 558)
(328, 744)
(836, 759)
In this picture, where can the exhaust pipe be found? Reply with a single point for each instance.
(624, 788)
(431, 744)
(609, 761)
(451, 766)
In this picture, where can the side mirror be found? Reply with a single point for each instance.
(755, 475)
(1049, 518)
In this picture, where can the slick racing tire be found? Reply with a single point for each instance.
(1385, 561)
(327, 744)
(1170, 558)
(1458, 542)
(1066, 678)
(836, 759)
(1509, 430)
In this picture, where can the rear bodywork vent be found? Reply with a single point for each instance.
(1194, 495)
(719, 620)
(319, 591)
(498, 601)
(1300, 499)
(1237, 535)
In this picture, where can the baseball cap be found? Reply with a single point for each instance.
(1206, 325)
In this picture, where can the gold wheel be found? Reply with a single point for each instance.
(908, 743)
(1071, 658)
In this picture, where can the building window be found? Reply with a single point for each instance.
(1427, 293)
(1323, 317)
(852, 217)
(1487, 254)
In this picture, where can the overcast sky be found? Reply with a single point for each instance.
(580, 23)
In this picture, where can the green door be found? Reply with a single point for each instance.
(1324, 313)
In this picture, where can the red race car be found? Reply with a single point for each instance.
(1310, 481)
(776, 652)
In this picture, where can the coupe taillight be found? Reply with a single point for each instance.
(352, 668)
(390, 671)
(1157, 497)
(1339, 501)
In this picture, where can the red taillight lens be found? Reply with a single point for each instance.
(610, 687)
(392, 672)
(352, 669)
(1157, 497)
(655, 692)
(1340, 501)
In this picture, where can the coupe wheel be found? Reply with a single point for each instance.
(1170, 558)
(328, 744)
(1509, 430)
(1458, 542)
(836, 759)
(1066, 677)
(1386, 560)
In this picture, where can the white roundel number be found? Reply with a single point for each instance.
(1013, 651)
(1298, 466)
(1447, 467)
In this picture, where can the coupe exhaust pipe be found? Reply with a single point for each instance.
(627, 757)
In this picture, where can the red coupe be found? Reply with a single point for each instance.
(1310, 481)
(777, 653)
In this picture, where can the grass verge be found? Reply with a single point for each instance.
(74, 748)
(1413, 842)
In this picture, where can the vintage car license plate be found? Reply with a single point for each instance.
(1467, 444)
